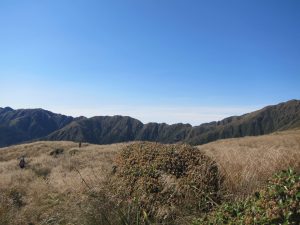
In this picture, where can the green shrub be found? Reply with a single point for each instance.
(170, 181)
(278, 203)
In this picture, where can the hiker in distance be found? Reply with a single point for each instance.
(22, 162)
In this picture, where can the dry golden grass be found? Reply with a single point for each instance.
(248, 162)
(51, 189)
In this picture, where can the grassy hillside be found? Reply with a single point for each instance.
(105, 130)
(51, 190)
(17, 126)
(63, 184)
(267, 120)
(25, 125)
(248, 162)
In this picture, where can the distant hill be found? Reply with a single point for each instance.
(99, 129)
(17, 126)
(279, 117)
(114, 129)
(105, 130)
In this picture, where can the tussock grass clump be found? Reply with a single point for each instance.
(101, 209)
(11, 202)
(56, 152)
(277, 203)
(168, 181)
(40, 170)
(16, 197)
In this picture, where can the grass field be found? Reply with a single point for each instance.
(248, 162)
(54, 188)
(51, 187)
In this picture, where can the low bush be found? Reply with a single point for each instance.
(56, 152)
(278, 203)
(168, 181)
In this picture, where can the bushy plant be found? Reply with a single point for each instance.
(170, 181)
(278, 203)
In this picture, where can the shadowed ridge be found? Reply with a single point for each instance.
(31, 124)
(5, 109)
(264, 121)
(163, 132)
(106, 129)
(100, 129)
(17, 126)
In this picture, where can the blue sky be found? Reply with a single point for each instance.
(168, 61)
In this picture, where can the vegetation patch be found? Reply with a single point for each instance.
(278, 203)
(16, 197)
(168, 181)
(56, 152)
(73, 152)
(101, 209)
(12, 201)
(40, 170)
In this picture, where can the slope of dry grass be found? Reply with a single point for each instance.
(50, 190)
(55, 188)
(248, 162)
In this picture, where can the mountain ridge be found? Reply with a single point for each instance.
(23, 125)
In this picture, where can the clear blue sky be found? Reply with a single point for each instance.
(157, 60)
